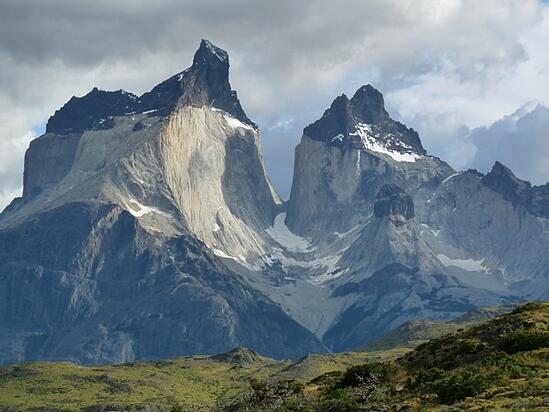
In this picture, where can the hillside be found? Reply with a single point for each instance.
(195, 383)
(415, 332)
(501, 364)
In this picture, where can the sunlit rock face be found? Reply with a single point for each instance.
(112, 253)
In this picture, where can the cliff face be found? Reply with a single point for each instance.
(102, 289)
(112, 253)
(345, 158)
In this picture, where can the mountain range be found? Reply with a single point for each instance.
(148, 228)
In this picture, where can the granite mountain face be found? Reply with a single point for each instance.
(148, 228)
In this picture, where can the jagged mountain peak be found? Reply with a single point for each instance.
(208, 54)
(502, 180)
(367, 105)
(363, 122)
(205, 83)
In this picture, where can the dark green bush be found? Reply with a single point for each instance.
(528, 307)
(524, 340)
(368, 373)
(461, 384)
(470, 346)
(425, 377)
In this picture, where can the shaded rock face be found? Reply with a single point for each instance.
(48, 160)
(393, 202)
(103, 290)
(520, 192)
(502, 180)
(469, 216)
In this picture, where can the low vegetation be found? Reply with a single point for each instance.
(499, 365)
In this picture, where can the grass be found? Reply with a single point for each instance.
(413, 333)
(194, 383)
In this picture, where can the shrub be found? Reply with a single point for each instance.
(461, 384)
(368, 374)
(524, 340)
(425, 377)
(470, 346)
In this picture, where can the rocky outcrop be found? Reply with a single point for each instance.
(48, 160)
(393, 202)
(346, 157)
(535, 199)
(502, 180)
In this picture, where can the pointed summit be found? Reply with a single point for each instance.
(502, 180)
(208, 54)
(205, 83)
(367, 105)
(363, 122)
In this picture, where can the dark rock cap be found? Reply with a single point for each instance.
(205, 83)
(502, 180)
(535, 199)
(90, 111)
(367, 107)
(392, 201)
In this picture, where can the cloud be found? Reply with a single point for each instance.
(520, 141)
(445, 66)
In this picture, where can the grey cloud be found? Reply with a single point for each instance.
(520, 141)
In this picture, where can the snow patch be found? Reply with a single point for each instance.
(469, 265)
(449, 178)
(345, 234)
(338, 138)
(284, 237)
(326, 277)
(222, 254)
(138, 210)
(235, 123)
(370, 142)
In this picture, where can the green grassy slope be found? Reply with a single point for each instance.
(413, 333)
(194, 383)
(499, 365)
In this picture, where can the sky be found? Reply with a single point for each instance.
(472, 77)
